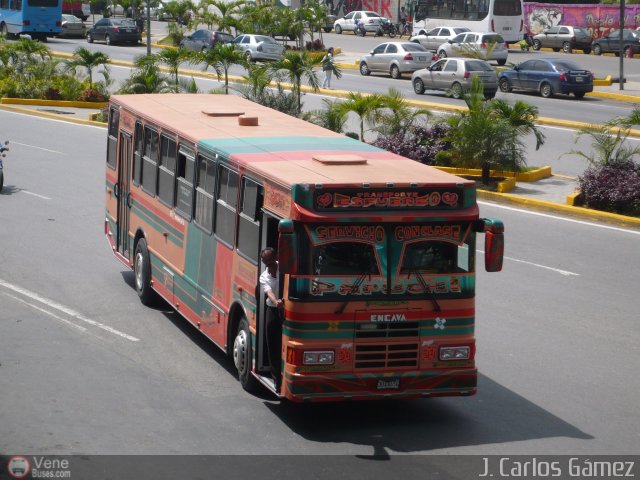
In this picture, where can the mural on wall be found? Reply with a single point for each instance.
(600, 20)
(386, 8)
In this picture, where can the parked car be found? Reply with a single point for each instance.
(114, 9)
(327, 26)
(565, 37)
(437, 36)
(611, 43)
(454, 75)
(114, 30)
(204, 39)
(72, 26)
(547, 76)
(489, 46)
(259, 47)
(396, 58)
(371, 21)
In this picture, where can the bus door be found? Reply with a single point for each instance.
(268, 238)
(124, 195)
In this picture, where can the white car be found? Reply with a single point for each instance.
(435, 37)
(371, 21)
(487, 46)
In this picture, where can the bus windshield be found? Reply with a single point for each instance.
(385, 262)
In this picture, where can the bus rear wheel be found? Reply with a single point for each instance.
(242, 356)
(142, 274)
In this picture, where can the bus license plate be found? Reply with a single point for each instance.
(389, 384)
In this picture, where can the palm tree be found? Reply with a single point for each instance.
(363, 105)
(488, 134)
(147, 78)
(255, 82)
(222, 57)
(173, 58)
(224, 19)
(397, 116)
(89, 60)
(607, 144)
(295, 66)
(332, 117)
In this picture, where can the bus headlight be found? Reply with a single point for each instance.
(317, 358)
(455, 353)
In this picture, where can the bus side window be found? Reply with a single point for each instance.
(205, 183)
(150, 161)
(4, 4)
(166, 171)
(227, 202)
(249, 221)
(112, 142)
(138, 141)
(184, 182)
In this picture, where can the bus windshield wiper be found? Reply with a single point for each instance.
(426, 288)
(356, 286)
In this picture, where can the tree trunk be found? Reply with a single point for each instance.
(486, 173)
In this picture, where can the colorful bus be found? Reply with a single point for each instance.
(39, 19)
(505, 17)
(376, 252)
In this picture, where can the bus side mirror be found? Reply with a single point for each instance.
(493, 243)
(287, 247)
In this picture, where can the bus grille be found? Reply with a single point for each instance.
(387, 330)
(394, 355)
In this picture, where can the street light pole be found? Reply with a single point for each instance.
(621, 44)
(149, 27)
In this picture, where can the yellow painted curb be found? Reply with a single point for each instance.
(578, 212)
(65, 118)
(603, 82)
(573, 199)
(53, 103)
(529, 176)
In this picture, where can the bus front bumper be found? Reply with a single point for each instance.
(316, 387)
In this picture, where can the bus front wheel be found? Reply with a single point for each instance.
(242, 356)
(142, 274)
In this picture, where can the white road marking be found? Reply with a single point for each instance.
(558, 270)
(39, 148)
(555, 217)
(34, 194)
(67, 310)
(71, 324)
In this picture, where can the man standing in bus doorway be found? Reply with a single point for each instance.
(269, 281)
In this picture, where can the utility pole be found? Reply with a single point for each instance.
(149, 27)
(622, 45)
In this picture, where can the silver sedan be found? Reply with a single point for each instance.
(72, 26)
(396, 58)
(258, 47)
(454, 75)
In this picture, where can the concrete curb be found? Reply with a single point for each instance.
(574, 211)
(53, 103)
(55, 116)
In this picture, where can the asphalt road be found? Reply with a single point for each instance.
(594, 110)
(85, 368)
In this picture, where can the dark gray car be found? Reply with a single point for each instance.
(611, 43)
(564, 37)
(204, 39)
(114, 30)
